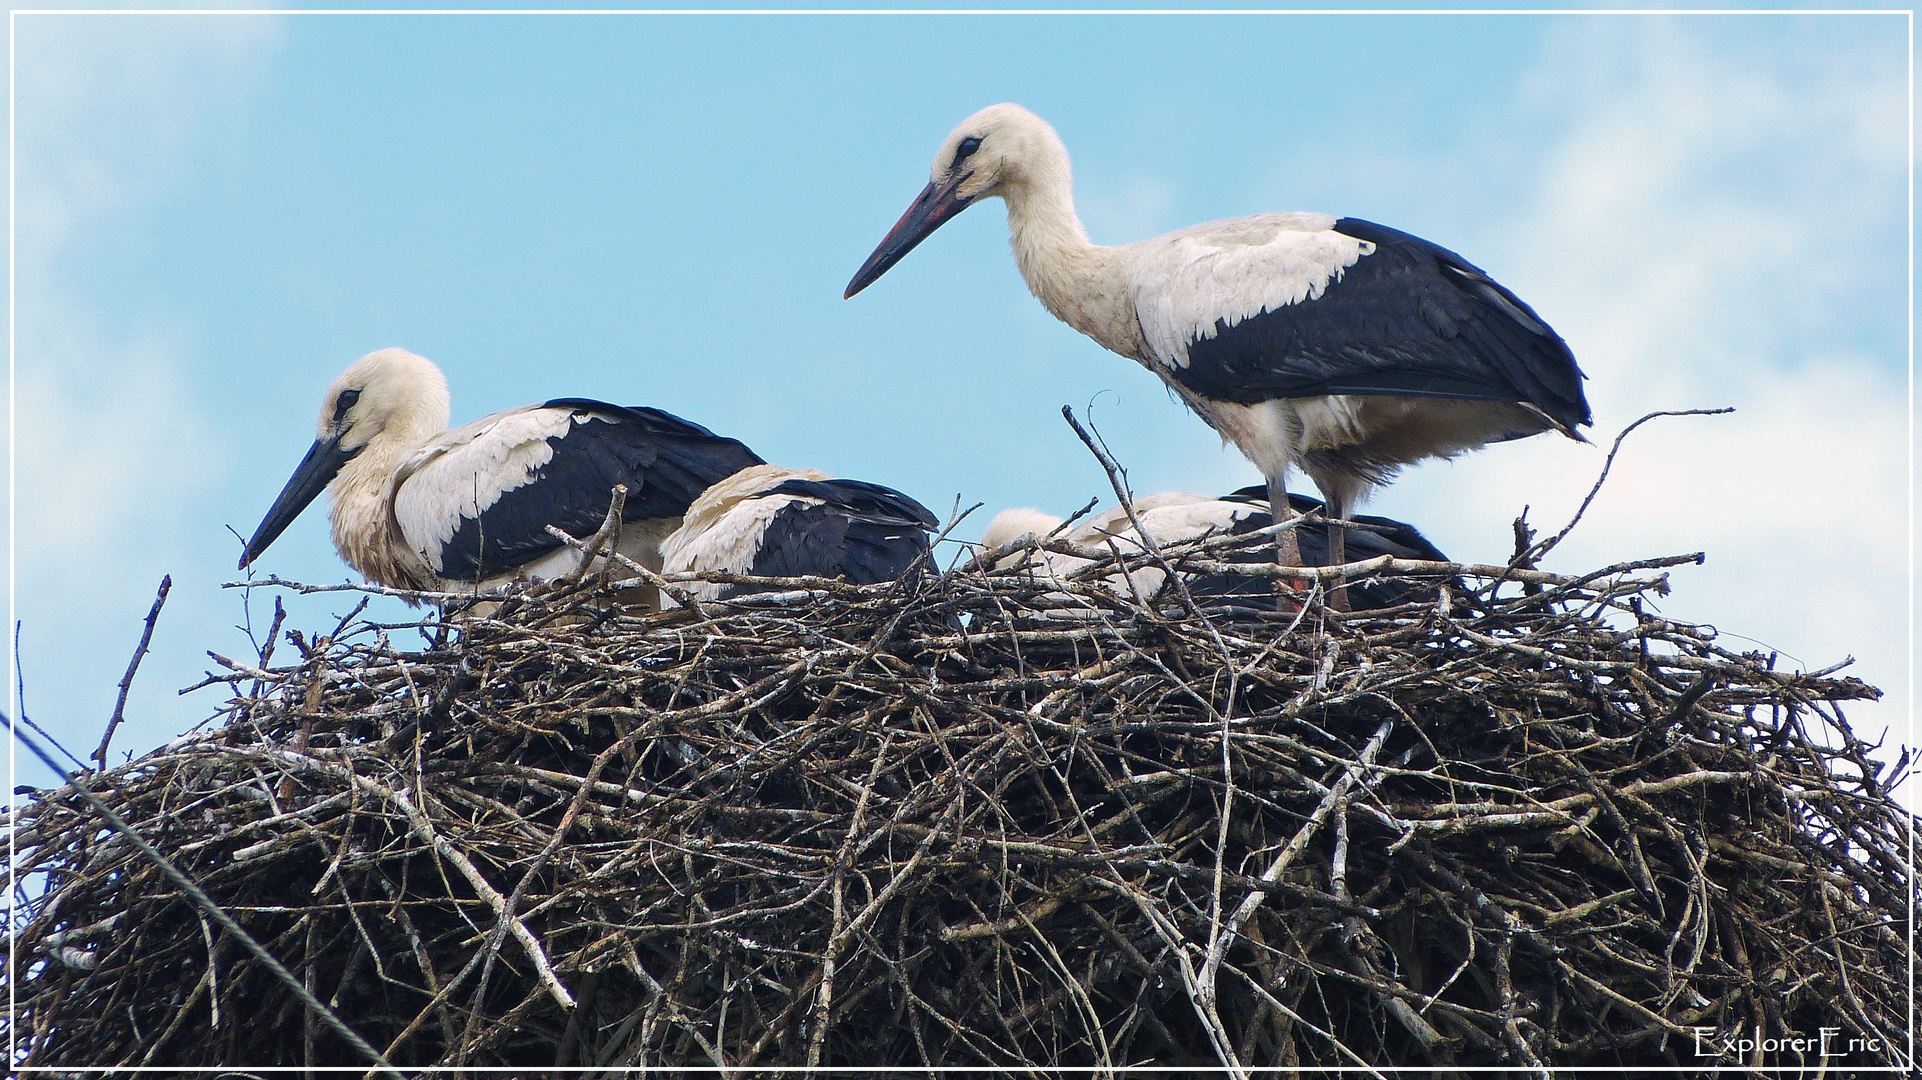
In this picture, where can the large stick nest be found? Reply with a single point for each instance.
(978, 819)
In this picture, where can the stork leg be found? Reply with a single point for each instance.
(1287, 545)
(1337, 554)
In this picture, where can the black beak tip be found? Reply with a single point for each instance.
(322, 463)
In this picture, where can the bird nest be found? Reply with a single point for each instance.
(979, 819)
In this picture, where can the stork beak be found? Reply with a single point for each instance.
(930, 210)
(317, 469)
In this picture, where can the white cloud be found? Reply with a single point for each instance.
(1708, 213)
(116, 453)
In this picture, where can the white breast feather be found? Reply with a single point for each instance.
(1185, 281)
(640, 541)
(1170, 524)
(463, 472)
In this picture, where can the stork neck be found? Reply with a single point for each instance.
(362, 514)
(1078, 281)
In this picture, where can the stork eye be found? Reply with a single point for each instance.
(968, 146)
(343, 403)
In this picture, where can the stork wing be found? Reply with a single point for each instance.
(1300, 305)
(475, 502)
(673, 459)
(863, 532)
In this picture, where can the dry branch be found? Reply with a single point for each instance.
(126, 681)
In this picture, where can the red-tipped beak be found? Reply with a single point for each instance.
(930, 210)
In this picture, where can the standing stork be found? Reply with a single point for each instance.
(1332, 345)
(770, 521)
(416, 506)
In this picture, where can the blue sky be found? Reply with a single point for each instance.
(215, 214)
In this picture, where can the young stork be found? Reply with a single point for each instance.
(1172, 516)
(768, 521)
(1332, 345)
(416, 506)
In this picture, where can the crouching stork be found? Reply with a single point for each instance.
(416, 506)
(1174, 516)
(1337, 544)
(768, 521)
(1333, 345)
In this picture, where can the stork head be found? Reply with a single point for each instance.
(996, 152)
(391, 392)
(390, 397)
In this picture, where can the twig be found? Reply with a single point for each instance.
(1533, 555)
(681, 596)
(425, 830)
(1148, 544)
(1349, 777)
(20, 699)
(126, 681)
(608, 536)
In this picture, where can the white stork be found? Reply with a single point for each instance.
(1333, 345)
(769, 521)
(416, 506)
(1173, 516)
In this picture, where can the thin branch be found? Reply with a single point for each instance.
(1534, 554)
(126, 681)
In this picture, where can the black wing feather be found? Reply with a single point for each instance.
(859, 531)
(665, 461)
(1411, 318)
(860, 498)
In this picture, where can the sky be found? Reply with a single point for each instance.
(215, 214)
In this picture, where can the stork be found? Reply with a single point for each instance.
(770, 521)
(416, 506)
(1333, 345)
(1171, 517)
